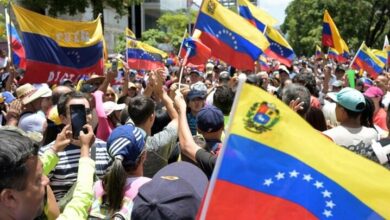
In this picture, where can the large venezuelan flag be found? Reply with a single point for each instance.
(57, 49)
(257, 16)
(365, 59)
(142, 56)
(229, 36)
(276, 166)
(330, 34)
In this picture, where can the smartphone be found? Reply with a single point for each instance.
(78, 119)
(114, 65)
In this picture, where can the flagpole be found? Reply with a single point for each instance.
(182, 66)
(181, 45)
(7, 27)
(213, 179)
(354, 58)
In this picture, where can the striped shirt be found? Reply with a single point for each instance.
(64, 175)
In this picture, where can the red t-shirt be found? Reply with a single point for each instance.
(380, 119)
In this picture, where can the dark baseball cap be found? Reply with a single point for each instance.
(175, 192)
(210, 119)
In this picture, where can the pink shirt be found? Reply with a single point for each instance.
(104, 126)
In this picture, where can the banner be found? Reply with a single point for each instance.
(57, 49)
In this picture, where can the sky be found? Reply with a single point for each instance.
(274, 7)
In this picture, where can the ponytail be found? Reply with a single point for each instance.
(114, 182)
(367, 116)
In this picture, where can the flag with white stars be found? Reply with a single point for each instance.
(287, 170)
(229, 36)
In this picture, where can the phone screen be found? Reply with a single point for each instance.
(114, 64)
(78, 119)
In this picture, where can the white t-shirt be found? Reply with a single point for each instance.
(357, 140)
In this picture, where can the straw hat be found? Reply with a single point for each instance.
(28, 93)
(95, 79)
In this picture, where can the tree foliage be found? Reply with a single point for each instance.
(170, 29)
(73, 7)
(357, 21)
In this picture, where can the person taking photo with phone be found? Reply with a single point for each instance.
(64, 175)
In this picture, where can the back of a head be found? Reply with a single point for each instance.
(140, 109)
(223, 99)
(65, 98)
(15, 150)
(292, 92)
(175, 192)
(58, 92)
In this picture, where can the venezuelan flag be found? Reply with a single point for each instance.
(257, 16)
(129, 33)
(318, 53)
(269, 169)
(279, 48)
(199, 53)
(229, 36)
(263, 64)
(18, 52)
(381, 54)
(57, 49)
(142, 56)
(330, 34)
(365, 59)
(334, 55)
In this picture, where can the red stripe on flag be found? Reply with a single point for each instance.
(327, 40)
(141, 64)
(41, 72)
(280, 58)
(224, 52)
(366, 67)
(231, 201)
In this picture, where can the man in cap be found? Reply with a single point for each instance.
(196, 100)
(351, 112)
(210, 125)
(284, 75)
(32, 101)
(195, 76)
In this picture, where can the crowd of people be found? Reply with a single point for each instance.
(150, 143)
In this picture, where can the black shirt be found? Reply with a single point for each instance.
(206, 161)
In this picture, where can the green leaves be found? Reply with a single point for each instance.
(362, 20)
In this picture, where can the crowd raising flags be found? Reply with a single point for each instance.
(57, 49)
(263, 177)
(318, 53)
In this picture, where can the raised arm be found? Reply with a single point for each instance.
(187, 143)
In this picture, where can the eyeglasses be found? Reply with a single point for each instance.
(110, 94)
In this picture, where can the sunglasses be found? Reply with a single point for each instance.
(110, 94)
